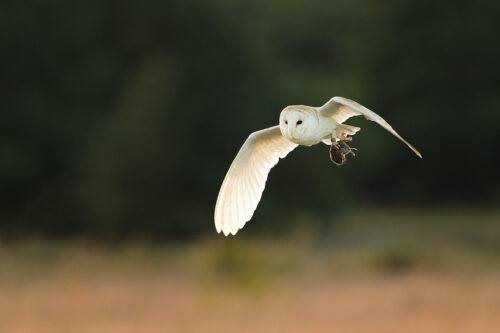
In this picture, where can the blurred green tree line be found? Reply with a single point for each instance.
(121, 117)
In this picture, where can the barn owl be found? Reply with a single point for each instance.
(303, 125)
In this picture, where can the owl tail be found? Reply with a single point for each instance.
(347, 129)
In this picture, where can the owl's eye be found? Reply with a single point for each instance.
(286, 122)
(299, 122)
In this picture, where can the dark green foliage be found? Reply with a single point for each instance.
(121, 118)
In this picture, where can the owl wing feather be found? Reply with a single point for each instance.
(340, 109)
(245, 180)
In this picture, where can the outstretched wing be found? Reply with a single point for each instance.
(341, 109)
(242, 188)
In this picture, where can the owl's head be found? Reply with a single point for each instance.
(298, 123)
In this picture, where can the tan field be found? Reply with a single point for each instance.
(441, 282)
(406, 303)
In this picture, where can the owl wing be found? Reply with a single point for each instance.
(340, 109)
(244, 183)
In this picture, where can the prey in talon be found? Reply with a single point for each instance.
(339, 150)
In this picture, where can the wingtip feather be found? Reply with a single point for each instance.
(414, 150)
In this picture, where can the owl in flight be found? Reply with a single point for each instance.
(303, 125)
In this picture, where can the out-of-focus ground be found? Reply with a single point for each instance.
(374, 272)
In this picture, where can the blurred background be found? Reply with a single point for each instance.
(120, 119)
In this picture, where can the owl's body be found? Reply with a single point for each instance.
(298, 125)
(305, 126)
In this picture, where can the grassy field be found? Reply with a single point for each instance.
(374, 272)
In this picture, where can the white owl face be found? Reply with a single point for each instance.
(298, 123)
